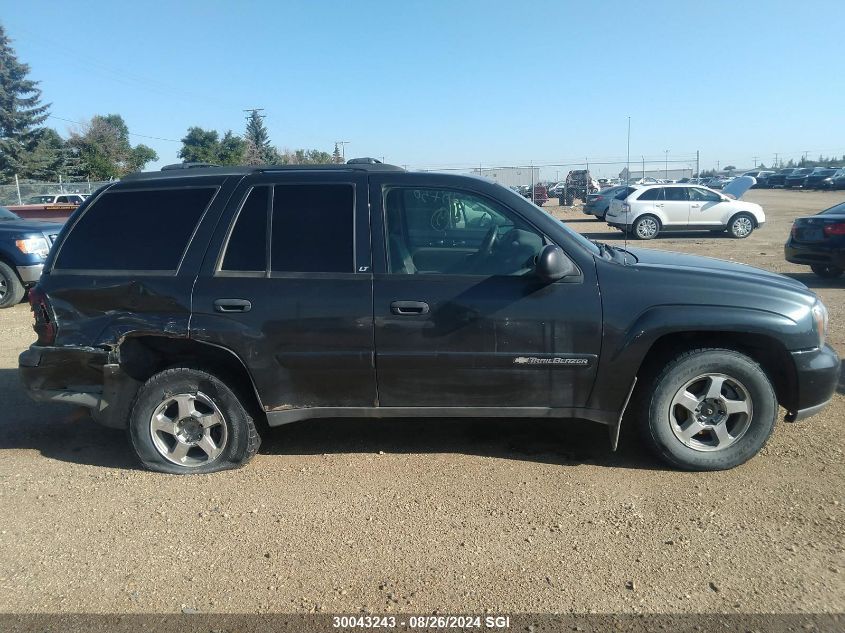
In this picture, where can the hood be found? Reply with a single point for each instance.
(681, 261)
(29, 226)
(738, 186)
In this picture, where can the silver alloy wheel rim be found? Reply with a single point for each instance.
(711, 412)
(189, 430)
(742, 227)
(647, 228)
(4, 287)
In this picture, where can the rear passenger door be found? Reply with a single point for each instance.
(286, 286)
(676, 205)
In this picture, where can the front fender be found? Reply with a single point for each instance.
(627, 349)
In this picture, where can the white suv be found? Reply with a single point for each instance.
(655, 208)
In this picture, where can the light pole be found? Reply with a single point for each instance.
(666, 165)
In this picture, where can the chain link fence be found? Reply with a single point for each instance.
(19, 193)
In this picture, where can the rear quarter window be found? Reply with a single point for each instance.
(145, 230)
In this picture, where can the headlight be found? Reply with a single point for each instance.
(820, 318)
(33, 246)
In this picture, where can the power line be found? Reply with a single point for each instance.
(155, 138)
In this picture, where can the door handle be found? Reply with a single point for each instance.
(658, 205)
(695, 206)
(409, 308)
(232, 305)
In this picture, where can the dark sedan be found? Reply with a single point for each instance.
(778, 179)
(816, 179)
(819, 242)
(796, 178)
(835, 181)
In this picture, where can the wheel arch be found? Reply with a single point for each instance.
(142, 356)
(768, 351)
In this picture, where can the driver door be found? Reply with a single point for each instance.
(460, 318)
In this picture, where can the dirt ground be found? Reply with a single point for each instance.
(413, 516)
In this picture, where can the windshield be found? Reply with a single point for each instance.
(577, 237)
(5, 214)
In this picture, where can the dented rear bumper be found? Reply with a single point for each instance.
(82, 376)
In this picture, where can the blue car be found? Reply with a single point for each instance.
(24, 245)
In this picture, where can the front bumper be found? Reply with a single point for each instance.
(83, 376)
(817, 371)
(30, 274)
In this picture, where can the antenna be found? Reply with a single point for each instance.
(627, 182)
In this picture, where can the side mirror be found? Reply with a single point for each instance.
(553, 264)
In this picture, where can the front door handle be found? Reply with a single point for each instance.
(695, 206)
(409, 308)
(232, 305)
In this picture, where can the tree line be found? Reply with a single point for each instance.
(100, 149)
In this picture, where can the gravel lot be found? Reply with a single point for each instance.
(413, 516)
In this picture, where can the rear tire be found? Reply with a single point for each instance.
(646, 227)
(708, 409)
(187, 421)
(826, 272)
(11, 287)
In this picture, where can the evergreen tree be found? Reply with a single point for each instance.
(257, 139)
(337, 156)
(21, 110)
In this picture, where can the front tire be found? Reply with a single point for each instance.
(646, 227)
(826, 272)
(708, 409)
(185, 421)
(741, 226)
(11, 288)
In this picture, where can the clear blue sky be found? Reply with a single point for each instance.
(441, 83)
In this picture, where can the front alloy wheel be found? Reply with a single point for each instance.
(708, 409)
(741, 226)
(711, 412)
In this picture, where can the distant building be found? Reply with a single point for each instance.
(657, 174)
(510, 176)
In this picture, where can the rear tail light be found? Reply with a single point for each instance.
(626, 207)
(45, 322)
(794, 230)
(835, 229)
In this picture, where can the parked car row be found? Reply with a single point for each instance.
(801, 178)
(24, 246)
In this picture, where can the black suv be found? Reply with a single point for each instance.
(189, 305)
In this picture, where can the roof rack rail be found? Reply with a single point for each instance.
(186, 166)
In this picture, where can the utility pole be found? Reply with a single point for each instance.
(643, 174)
(342, 148)
(697, 165)
(776, 161)
(628, 158)
(717, 165)
(666, 165)
(755, 160)
(254, 112)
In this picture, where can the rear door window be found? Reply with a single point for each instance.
(675, 194)
(246, 249)
(655, 193)
(313, 229)
(139, 230)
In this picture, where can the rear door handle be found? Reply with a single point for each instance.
(232, 305)
(695, 206)
(409, 308)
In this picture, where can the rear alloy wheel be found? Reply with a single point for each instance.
(709, 409)
(646, 227)
(11, 288)
(185, 420)
(827, 272)
(741, 226)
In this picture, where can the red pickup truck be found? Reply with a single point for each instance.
(52, 207)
